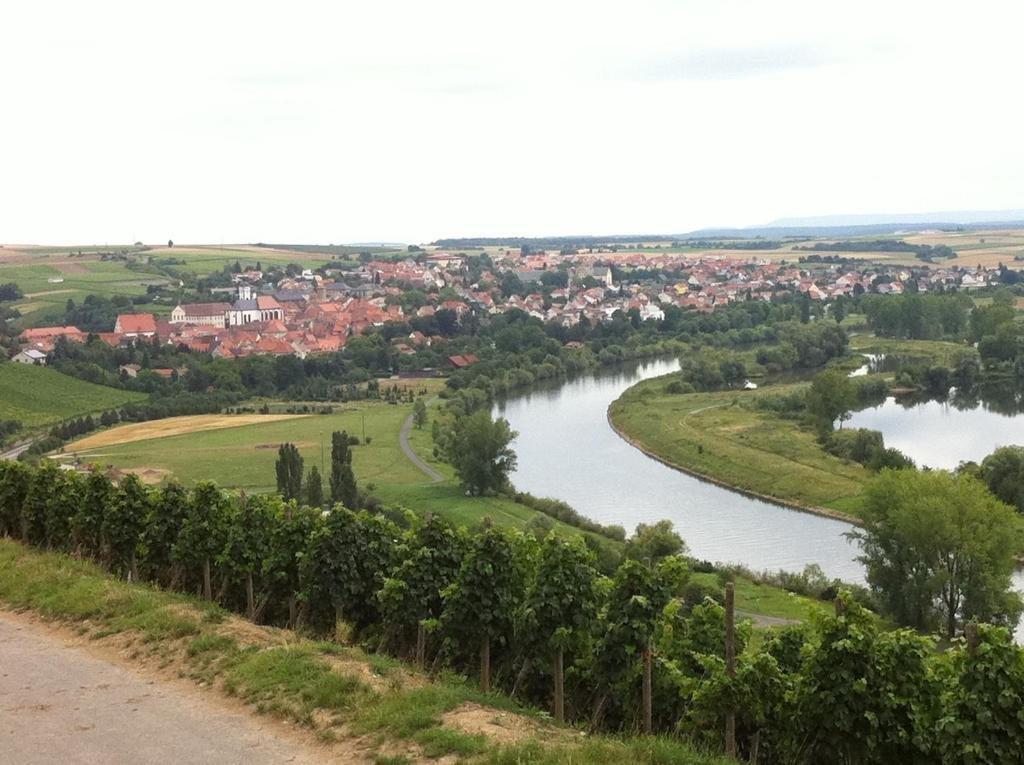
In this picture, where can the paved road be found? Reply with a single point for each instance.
(14, 452)
(403, 441)
(60, 703)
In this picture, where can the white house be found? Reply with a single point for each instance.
(207, 314)
(30, 356)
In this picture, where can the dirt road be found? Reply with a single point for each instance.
(403, 441)
(60, 703)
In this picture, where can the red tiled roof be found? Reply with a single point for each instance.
(135, 323)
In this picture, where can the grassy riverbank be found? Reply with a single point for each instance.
(715, 435)
(365, 708)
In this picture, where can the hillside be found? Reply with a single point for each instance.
(40, 396)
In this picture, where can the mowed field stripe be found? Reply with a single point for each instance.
(173, 426)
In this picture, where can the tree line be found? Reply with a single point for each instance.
(535, 618)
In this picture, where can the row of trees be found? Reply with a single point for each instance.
(293, 486)
(536, 619)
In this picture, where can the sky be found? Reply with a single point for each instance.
(330, 122)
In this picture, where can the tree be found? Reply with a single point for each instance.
(170, 242)
(349, 557)
(652, 542)
(478, 447)
(479, 606)
(830, 398)
(124, 523)
(1003, 473)
(419, 413)
(636, 605)
(248, 538)
(939, 549)
(163, 527)
(314, 488)
(412, 594)
(561, 607)
(343, 480)
(289, 472)
(864, 695)
(203, 532)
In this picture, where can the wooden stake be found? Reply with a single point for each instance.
(647, 690)
(207, 581)
(421, 645)
(730, 665)
(559, 687)
(250, 596)
(485, 665)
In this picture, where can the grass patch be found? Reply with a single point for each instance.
(719, 435)
(292, 681)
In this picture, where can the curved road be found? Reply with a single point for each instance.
(403, 441)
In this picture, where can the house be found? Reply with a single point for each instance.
(130, 370)
(601, 274)
(208, 314)
(30, 356)
(45, 337)
(135, 325)
(461, 362)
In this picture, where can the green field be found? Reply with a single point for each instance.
(86, 275)
(243, 457)
(713, 435)
(40, 396)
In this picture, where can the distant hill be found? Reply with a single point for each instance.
(957, 217)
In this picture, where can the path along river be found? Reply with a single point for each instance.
(567, 450)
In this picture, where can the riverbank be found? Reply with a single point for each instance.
(716, 438)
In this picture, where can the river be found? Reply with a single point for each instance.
(567, 450)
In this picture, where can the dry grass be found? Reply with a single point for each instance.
(172, 426)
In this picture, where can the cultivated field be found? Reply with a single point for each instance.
(172, 426)
(39, 396)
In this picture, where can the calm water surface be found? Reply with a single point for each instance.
(940, 435)
(567, 450)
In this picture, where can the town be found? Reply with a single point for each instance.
(317, 311)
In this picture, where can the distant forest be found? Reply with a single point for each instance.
(923, 251)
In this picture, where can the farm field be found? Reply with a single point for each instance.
(49, 281)
(174, 426)
(242, 456)
(39, 396)
(239, 452)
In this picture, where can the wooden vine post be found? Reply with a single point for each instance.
(421, 645)
(730, 665)
(648, 726)
(559, 710)
(485, 665)
(250, 597)
(207, 579)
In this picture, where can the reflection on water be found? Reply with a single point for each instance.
(944, 433)
(567, 450)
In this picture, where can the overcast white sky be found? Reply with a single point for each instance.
(406, 121)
